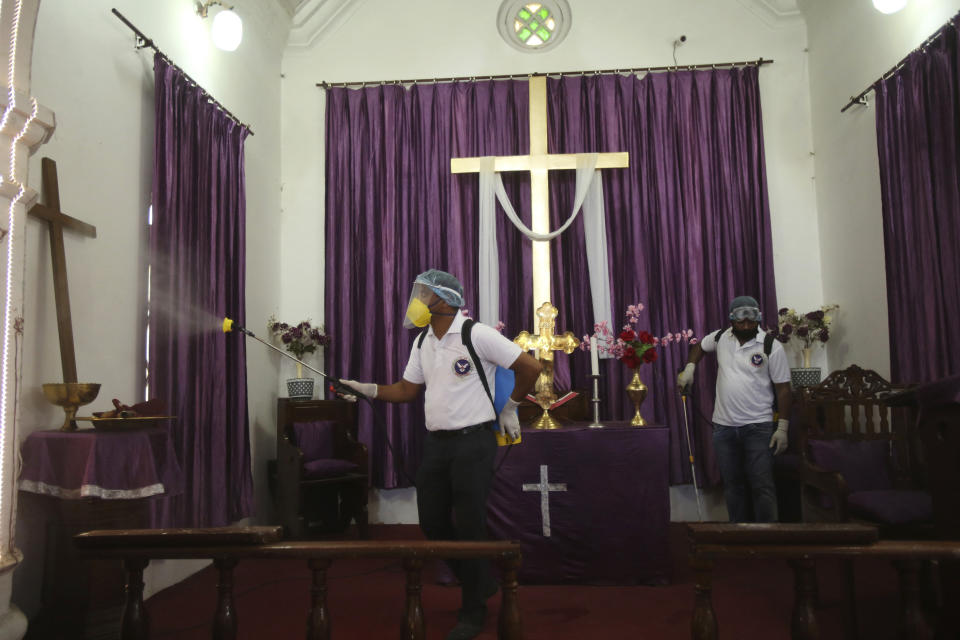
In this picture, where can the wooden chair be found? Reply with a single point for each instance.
(860, 463)
(859, 457)
(321, 471)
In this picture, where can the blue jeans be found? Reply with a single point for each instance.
(746, 464)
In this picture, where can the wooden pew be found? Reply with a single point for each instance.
(801, 544)
(228, 545)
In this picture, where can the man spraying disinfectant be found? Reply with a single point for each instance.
(453, 480)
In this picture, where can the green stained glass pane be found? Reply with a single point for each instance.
(524, 14)
(524, 34)
(544, 34)
(534, 25)
(543, 14)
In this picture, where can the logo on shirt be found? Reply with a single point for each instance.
(461, 367)
(756, 359)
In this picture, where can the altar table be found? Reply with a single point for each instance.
(589, 506)
(111, 465)
(82, 480)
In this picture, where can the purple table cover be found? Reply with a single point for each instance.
(589, 506)
(112, 465)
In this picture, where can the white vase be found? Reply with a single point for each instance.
(300, 388)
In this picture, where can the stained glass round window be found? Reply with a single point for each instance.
(534, 26)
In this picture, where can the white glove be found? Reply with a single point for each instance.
(509, 420)
(778, 442)
(368, 389)
(685, 377)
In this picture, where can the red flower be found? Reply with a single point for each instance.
(650, 355)
(628, 335)
(645, 337)
(631, 361)
(629, 352)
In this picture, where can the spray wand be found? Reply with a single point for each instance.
(335, 384)
(693, 469)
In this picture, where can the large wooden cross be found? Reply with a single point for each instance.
(538, 163)
(58, 221)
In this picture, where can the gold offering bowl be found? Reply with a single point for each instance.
(70, 396)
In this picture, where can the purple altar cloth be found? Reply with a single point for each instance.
(605, 515)
(112, 465)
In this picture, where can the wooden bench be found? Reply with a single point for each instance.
(801, 544)
(227, 546)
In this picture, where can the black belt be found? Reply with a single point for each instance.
(449, 433)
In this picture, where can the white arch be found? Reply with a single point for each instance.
(24, 126)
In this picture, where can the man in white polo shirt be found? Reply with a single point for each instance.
(745, 439)
(457, 467)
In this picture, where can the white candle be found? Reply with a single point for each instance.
(594, 357)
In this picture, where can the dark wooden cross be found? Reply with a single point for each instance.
(59, 221)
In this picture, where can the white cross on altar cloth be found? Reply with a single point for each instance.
(545, 488)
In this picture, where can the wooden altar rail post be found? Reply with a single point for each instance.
(801, 545)
(227, 546)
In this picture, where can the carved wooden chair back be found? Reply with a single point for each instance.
(849, 405)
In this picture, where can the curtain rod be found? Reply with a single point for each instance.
(860, 98)
(692, 67)
(144, 41)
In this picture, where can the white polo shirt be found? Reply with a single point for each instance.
(455, 397)
(744, 392)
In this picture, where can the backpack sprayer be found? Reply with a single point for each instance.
(335, 384)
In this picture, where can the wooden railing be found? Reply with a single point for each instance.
(227, 546)
(801, 545)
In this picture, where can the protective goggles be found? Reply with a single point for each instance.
(746, 313)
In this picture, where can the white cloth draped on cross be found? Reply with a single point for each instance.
(588, 197)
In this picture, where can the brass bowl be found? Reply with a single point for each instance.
(70, 396)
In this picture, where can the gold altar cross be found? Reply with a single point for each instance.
(538, 163)
(545, 343)
(58, 221)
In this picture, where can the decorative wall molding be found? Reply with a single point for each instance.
(775, 13)
(316, 18)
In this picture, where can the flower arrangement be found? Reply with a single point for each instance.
(632, 346)
(298, 338)
(807, 328)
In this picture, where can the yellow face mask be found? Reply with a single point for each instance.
(418, 313)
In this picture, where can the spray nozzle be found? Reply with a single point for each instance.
(229, 325)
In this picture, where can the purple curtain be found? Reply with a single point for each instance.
(918, 129)
(688, 225)
(197, 253)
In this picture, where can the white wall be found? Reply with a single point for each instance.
(851, 46)
(383, 40)
(86, 70)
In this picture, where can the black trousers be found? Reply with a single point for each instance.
(452, 486)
